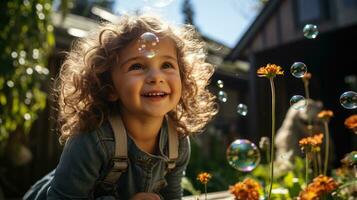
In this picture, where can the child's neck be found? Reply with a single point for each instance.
(144, 132)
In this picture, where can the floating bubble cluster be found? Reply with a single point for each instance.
(243, 155)
(148, 44)
(242, 109)
(298, 102)
(349, 100)
(220, 83)
(222, 96)
(310, 31)
(298, 69)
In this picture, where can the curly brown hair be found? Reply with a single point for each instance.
(84, 82)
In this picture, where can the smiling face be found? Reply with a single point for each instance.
(147, 87)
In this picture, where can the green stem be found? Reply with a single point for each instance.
(327, 134)
(349, 183)
(272, 136)
(306, 87)
(268, 155)
(319, 162)
(307, 169)
(205, 191)
(307, 95)
(268, 162)
(315, 164)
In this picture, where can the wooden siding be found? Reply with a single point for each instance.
(282, 27)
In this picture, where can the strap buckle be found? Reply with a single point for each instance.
(171, 164)
(119, 164)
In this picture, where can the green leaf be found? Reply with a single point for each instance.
(3, 100)
(50, 40)
(288, 179)
(2, 81)
(187, 185)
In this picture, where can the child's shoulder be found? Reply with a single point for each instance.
(184, 140)
(103, 132)
(101, 139)
(184, 145)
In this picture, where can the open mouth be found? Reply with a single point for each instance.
(155, 94)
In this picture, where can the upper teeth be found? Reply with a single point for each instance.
(155, 94)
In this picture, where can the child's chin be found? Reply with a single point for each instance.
(157, 113)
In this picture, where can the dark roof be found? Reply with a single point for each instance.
(254, 28)
(216, 53)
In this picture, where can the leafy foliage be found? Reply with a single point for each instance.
(26, 41)
(288, 183)
(213, 161)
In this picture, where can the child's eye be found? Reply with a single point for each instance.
(167, 65)
(135, 66)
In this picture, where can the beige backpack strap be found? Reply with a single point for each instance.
(120, 159)
(173, 144)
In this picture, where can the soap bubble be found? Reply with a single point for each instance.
(298, 69)
(310, 31)
(349, 100)
(242, 109)
(148, 44)
(220, 83)
(243, 155)
(222, 96)
(298, 102)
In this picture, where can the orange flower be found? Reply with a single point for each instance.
(325, 115)
(247, 190)
(309, 194)
(311, 143)
(318, 138)
(204, 177)
(351, 122)
(239, 190)
(323, 184)
(251, 184)
(270, 71)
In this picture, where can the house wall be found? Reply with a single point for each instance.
(284, 26)
(347, 12)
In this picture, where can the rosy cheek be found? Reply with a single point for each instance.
(176, 77)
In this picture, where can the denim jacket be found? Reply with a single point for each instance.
(85, 161)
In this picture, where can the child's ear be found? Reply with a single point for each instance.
(113, 96)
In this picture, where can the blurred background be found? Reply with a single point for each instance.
(241, 35)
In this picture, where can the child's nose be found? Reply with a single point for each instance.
(155, 76)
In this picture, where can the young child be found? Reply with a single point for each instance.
(108, 74)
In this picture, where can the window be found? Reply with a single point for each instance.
(349, 3)
(311, 11)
